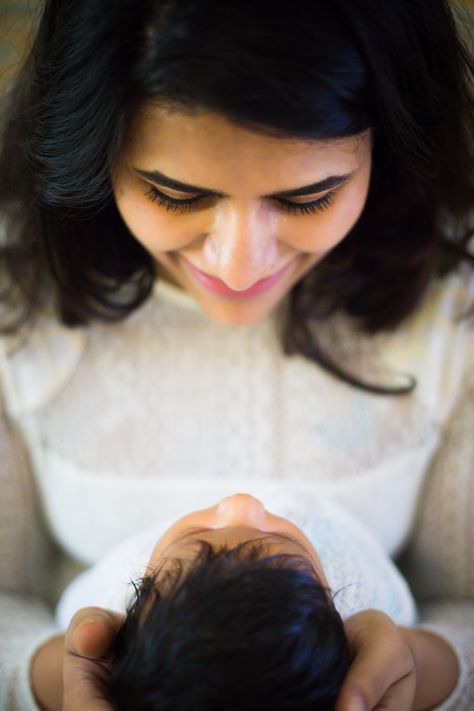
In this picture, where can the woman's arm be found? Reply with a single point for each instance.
(439, 560)
(25, 567)
(71, 672)
(47, 674)
(439, 564)
(395, 668)
(436, 667)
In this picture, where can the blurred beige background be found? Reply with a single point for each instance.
(16, 18)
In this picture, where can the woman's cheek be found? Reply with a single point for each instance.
(318, 235)
(332, 226)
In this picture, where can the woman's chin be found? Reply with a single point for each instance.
(244, 312)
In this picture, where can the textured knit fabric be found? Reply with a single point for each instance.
(111, 428)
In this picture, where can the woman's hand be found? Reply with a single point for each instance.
(395, 668)
(87, 659)
(383, 671)
(71, 671)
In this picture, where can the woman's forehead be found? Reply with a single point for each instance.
(153, 123)
(189, 146)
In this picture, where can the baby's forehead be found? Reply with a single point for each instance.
(241, 544)
(194, 552)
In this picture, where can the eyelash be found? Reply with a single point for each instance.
(173, 205)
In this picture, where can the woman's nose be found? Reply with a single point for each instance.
(241, 510)
(241, 248)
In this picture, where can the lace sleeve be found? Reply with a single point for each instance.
(439, 560)
(26, 559)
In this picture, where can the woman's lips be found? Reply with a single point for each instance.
(216, 286)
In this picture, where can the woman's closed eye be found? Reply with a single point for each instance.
(175, 205)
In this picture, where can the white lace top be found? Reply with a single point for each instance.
(110, 428)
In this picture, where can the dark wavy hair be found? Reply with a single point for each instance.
(230, 630)
(315, 70)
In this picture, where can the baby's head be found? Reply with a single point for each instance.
(236, 615)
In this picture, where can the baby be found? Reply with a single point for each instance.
(238, 608)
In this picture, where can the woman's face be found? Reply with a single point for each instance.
(233, 520)
(217, 206)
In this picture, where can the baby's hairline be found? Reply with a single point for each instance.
(242, 552)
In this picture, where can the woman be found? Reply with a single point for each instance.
(192, 193)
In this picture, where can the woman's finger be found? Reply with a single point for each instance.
(382, 674)
(86, 669)
(378, 674)
(400, 695)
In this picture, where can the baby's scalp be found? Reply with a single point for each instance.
(224, 611)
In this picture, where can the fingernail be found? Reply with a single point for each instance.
(88, 621)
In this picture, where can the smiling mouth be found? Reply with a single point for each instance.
(217, 286)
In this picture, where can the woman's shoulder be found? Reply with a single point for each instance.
(447, 306)
(436, 342)
(36, 360)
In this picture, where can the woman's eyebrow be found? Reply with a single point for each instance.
(332, 181)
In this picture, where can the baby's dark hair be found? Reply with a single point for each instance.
(231, 630)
